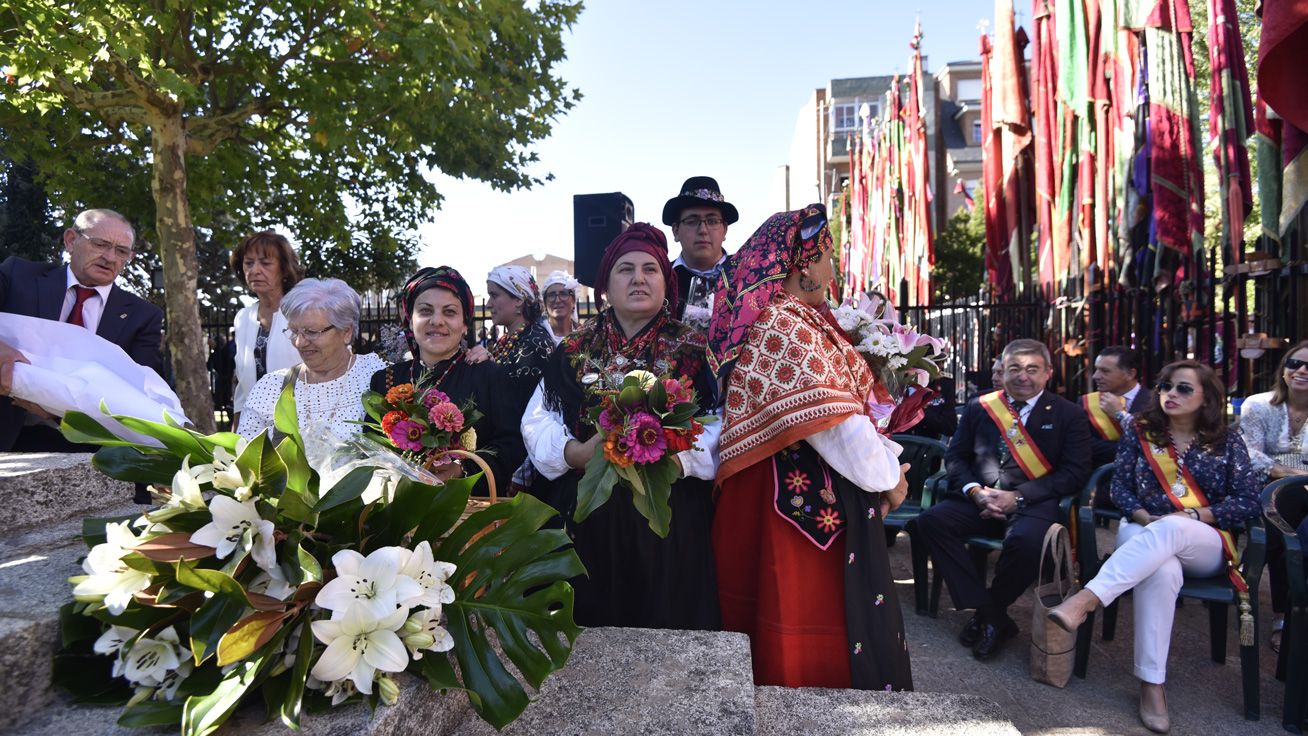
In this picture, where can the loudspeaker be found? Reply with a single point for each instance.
(596, 220)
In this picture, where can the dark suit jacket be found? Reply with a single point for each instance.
(1105, 451)
(37, 290)
(1058, 427)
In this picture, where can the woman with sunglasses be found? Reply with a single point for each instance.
(560, 293)
(1183, 483)
(1272, 425)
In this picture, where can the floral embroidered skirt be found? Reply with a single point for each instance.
(815, 618)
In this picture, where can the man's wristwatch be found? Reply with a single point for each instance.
(1021, 502)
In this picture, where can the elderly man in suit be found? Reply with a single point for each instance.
(81, 292)
(1016, 452)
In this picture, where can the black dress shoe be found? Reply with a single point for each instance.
(992, 636)
(971, 633)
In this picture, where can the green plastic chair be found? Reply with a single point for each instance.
(925, 456)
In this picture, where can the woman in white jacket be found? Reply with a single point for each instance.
(265, 264)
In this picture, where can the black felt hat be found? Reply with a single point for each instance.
(699, 191)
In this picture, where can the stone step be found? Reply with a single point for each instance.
(643, 681)
(784, 711)
(46, 487)
(34, 569)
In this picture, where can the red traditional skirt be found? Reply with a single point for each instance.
(777, 586)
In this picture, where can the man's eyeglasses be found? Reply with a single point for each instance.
(1184, 389)
(1294, 364)
(559, 296)
(306, 333)
(693, 223)
(103, 247)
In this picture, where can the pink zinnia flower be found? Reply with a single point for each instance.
(646, 438)
(446, 416)
(434, 397)
(610, 420)
(406, 434)
(678, 392)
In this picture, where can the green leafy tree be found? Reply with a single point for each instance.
(324, 117)
(960, 266)
(26, 227)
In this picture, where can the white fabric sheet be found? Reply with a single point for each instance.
(72, 368)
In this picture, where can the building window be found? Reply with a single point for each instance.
(976, 132)
(844, 116)
(969, 89)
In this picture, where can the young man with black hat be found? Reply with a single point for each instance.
(699, 217)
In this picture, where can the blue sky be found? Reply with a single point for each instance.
(676, 88)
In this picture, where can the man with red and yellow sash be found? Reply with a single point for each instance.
(1017, 451)
(1117, 395)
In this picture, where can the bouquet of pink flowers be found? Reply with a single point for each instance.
(423, 426)
(903, 359)
(644, 422)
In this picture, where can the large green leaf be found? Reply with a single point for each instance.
(290, 708)
(595, 487)
(445, 509)
(346, 489)
(134, 466)
(653, 502)
(262, 466)
(203, 714)
(81, 428)
(511, 580)
(151, 713)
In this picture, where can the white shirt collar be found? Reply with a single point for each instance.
(708, 272)
(1129, 396)
(1029, 402)
(103, 291)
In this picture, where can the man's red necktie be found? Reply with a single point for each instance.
(83, 293)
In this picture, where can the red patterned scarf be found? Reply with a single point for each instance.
(796, 376)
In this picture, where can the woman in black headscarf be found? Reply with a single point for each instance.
(635, 578)
(436, 311)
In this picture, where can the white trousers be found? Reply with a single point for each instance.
(1152, 560)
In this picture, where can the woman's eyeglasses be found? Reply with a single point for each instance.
(1294, 364)
(1184, 389)
(558, 296)
(306, 333)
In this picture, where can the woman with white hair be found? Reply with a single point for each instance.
(322, 320)
(559, 291)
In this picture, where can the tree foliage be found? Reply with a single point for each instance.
(960, 267)
(324, 118)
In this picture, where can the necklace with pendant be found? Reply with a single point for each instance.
(1179, 488)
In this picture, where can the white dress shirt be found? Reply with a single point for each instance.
(92, 308)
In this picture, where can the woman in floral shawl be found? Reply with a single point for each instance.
(802, 466)
(635, 578)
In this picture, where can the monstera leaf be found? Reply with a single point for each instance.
(511, 580)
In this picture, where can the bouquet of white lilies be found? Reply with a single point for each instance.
(244, 582)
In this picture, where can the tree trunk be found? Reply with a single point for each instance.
(183, 334)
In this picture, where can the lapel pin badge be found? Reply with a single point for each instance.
(123, 315)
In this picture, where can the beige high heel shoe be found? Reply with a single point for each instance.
(1154, 721)
(1071, 613)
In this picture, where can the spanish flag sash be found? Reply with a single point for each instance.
(1020, 444)
(1104, 425)
(1184, 492)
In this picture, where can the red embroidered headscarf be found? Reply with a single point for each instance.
(787, 241)
(646, 238)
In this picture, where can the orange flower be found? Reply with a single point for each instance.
(399, 394)
(615, 451)
(679, 440)
(391, 419)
